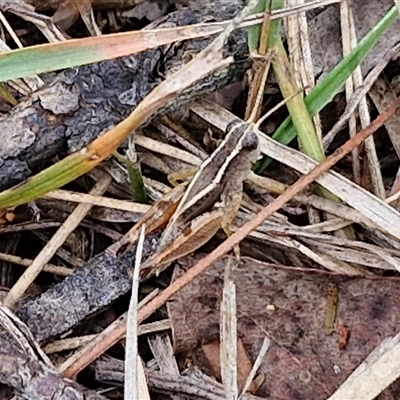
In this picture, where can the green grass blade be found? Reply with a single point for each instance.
(42, 58)
(325, 90)
(254, 32)
(135, 177)
(49, 179)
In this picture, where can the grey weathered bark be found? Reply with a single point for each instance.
(191, 385)
(92, 287)
(32, 379)
(84, 102)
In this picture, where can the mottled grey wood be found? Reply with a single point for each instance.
(92, 287)
(84, 102)
(32, 379)
(192, 384)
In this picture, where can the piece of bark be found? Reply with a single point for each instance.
(289, 307)
(84, 102)
(191, 385)
(32, 379)
(26, 369)
(92, 287)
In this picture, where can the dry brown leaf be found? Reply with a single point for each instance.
(211, 350)
(302, 361)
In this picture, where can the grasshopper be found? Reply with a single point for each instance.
(211, 200)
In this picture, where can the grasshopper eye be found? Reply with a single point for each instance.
(250, 141)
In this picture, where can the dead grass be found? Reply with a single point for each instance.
(296, 250)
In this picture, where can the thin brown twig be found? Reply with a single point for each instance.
(97, 348)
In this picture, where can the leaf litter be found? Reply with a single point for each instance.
(320, 324)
